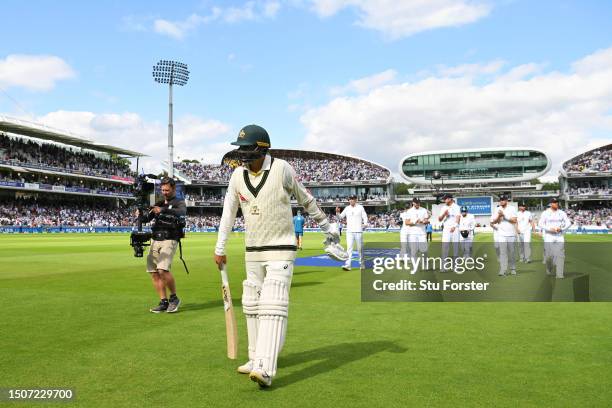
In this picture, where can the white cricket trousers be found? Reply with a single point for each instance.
(449, 238)
(525, 245)
(554, 254)
(507, 258)
(354, 239)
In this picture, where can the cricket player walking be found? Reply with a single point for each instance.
(416, 220)
(404, 249)
(449, 216)
(504, 218)
(467, 224)
(525, 226)
(553, 223)
(356, 221)
(262, 187)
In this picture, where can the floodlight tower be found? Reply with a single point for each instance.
(171, 73)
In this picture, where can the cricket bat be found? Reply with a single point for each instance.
(231, 330)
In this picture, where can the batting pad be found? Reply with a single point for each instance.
(250, 298)
(250, 301)
(274, 299)
(273, 309)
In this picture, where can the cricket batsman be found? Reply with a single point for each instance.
(262, 187)
(553, 223)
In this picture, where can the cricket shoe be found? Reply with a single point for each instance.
(346, 268)
(513, 272)
(246, 368)
(260, 377)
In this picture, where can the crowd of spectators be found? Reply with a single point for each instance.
(308, 170)
(589, 191)
(601, 217)
(204, 197)
(204, 172)
(360, 197)
(26, 152)
(325, 199)
(45, 213)
(53, 180)
(597, 161)
(317, 170)
(80, 212)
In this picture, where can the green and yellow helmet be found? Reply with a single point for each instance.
(253, 143)
(253, 135)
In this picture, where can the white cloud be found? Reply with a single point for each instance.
(33, 72)
(194, 137)
(251, 10)
(365, 84)
(179, 29)
(563, 113)
(472, 69)
(402, 18)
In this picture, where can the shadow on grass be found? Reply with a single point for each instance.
(190, 307)
(329, 358)
(295, 272)
(302, 284)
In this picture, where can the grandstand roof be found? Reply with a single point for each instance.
(470, 166)
(38, 131)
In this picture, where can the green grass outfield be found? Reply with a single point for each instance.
(75, 314)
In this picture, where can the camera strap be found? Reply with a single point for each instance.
(181, 256)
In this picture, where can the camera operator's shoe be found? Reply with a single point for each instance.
(174, 304)
(162, 307)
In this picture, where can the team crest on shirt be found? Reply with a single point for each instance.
(254, 210)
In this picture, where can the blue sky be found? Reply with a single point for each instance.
(289, 66)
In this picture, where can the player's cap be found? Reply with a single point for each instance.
(253, 135)
(353, 197)
(447, 195)
(416, 200)
(503, 197)
(464, 209)
(554, 200)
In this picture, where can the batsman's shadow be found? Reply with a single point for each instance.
(302, 284)
(329, 358)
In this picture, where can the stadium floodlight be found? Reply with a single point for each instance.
(171, 73)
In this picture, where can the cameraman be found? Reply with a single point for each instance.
(168, 218)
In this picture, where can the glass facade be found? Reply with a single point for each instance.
(476, 165)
